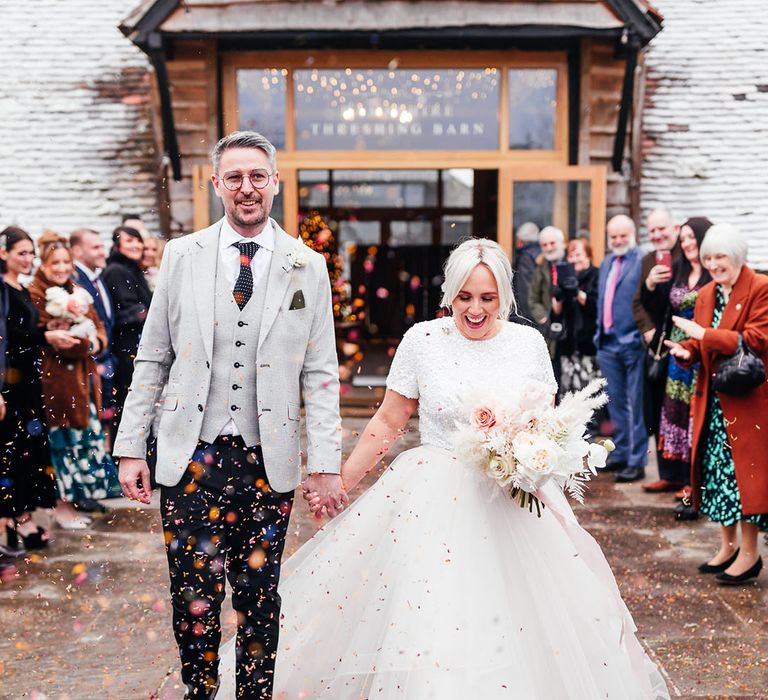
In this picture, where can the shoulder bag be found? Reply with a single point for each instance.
(741, 372)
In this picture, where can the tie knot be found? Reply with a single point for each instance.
(248, 248)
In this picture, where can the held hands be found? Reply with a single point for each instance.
(134, 479)
(2, 409)
(325, 494)
(658, 275)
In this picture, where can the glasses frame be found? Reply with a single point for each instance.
(223, 180)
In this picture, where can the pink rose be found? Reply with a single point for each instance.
(73, 307)
(483, 418)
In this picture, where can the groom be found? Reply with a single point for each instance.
(241, 315)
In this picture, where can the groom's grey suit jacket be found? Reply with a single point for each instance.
(296, 347)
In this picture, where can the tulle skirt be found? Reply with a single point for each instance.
(434, 584)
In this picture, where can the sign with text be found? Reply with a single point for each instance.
(374, 109)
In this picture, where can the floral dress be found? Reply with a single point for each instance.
(720, 500)
(675, 429)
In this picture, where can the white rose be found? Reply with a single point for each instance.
(537, 457)
(500, 468)
(597, 456)
(56, 301)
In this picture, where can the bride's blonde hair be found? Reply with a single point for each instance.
(465, 258)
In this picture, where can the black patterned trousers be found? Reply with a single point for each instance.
(222, 519)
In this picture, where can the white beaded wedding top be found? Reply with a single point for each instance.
(441, 368)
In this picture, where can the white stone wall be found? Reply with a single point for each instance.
(706, 116)
(76, 142)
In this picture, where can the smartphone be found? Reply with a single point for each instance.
(566, 274)
(664, 257)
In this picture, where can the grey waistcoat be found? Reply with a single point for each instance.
(232, 393)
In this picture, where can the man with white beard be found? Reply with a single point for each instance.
(552, 243)
(620, 349)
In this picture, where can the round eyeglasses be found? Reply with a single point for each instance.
(259, 179)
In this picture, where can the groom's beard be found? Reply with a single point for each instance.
(256, 217)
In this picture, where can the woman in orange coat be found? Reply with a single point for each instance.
(730, 433)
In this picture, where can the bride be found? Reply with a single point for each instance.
(434, 584)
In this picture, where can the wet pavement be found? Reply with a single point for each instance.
(90, 619)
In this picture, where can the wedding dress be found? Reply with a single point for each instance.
(434, 584)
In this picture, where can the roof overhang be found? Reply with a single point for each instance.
(387, 24)
(298, 20)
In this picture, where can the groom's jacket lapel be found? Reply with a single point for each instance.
(202, 278)
(280, 272)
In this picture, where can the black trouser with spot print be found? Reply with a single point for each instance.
(222, 517)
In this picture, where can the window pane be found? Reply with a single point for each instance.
(360, 232)
(314, 190)
(532, 107)
(563, 204)
(405, 233)
(458, 187)
(454, 228)
(379, 109)
(261, 102)
(385, 188)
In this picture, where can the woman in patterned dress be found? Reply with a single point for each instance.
(72, 397)
(729, 478)
(688, 277)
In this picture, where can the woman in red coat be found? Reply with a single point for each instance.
(730, 433)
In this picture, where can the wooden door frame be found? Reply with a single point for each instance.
(550, 165)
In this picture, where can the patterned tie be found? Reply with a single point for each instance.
(244, 285)
(610, 293)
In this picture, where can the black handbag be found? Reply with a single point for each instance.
(657, 358)
(741, 372)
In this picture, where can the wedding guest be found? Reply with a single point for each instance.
(26, 476)
(72, 395)
(90, 261)
(150, 260)
(620, 349)
(661, 300)
(552, 243)
(728, 477)
(131, 296)
(663, 234)
(576, 309)
(524, 263)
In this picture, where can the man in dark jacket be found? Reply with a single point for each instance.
(527, 249)
(552, 242)
(90, 260)
(663, 234)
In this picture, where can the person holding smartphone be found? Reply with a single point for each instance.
(677, 298)
(574, 308)
(656, 274)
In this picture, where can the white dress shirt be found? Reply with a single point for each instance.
(230, 253)
(95, 277)
(230, 264)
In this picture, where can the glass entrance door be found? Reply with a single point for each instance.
(393, 230)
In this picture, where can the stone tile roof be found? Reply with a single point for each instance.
(706, 116)
(76, 140)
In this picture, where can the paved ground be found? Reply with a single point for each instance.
(90, 618)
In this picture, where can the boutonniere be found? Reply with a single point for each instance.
(296, 259)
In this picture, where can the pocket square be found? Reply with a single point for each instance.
(298, 301)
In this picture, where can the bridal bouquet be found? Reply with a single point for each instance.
(60, 304)
(521, 441)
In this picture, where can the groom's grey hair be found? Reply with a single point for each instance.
(244, 139)
(465, 258)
